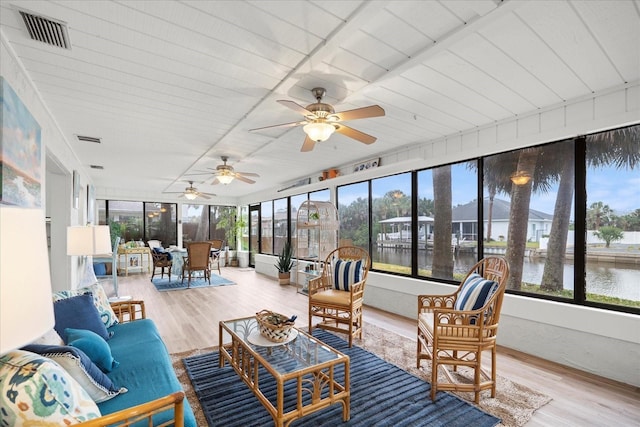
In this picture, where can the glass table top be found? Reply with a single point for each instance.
(300, 353)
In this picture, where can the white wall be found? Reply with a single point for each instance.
(62, 214)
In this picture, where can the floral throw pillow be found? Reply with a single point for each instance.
(35, 390)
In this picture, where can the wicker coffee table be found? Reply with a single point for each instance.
(309, 375)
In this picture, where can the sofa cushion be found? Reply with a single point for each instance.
(35, 390)
(93, 346)
(81, 368)
(145, 369)
(474, 293)
(346, 273)
(78, 312)
(100, 300)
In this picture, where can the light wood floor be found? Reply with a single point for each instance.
(189, 319)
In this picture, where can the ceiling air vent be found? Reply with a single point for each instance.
(46, 30)
(96, 167)
(89, 139)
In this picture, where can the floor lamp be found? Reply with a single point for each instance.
(88, 241)
(26, 307)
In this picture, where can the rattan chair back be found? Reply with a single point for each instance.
(340, 310)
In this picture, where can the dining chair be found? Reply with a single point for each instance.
(455, 329)
(336, 296)
(197, 259)
(216, 252)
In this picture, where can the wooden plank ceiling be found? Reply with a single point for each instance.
(171, 86)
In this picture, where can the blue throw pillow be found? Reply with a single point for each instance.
(93, 346)
(475, 292)
(78, 312)
(81, 368)
(100, 268)
(346, 273)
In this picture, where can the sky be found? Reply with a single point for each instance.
(618, 189)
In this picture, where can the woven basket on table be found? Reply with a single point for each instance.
(273, 332)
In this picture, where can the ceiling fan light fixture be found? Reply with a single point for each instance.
(319, 131)
(225, 178)
(190, 195)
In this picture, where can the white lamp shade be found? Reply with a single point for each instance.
(26, 306)
(88, 240)
(190, 196)
(319, 131)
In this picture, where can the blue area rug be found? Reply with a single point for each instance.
(196, 282)
(381, 395)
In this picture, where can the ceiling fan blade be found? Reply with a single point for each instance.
(243, 179)
(296, 107)
(282, 125)
(248, 174)
(355, 134)
(359, 113)
(215, 181)
(308, 144)
(204, 196)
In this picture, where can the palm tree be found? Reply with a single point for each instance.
(442, 225)
(518, 217)
(598, 214)
(552, 276)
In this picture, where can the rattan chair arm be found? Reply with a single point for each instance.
(357, 289)
(431, 302)
(128, 311)
(128, 416)
(318, 284)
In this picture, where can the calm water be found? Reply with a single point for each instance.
(602, 278)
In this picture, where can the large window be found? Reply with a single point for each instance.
(529, 198)
(391, 226)
(160, 223)
(139, 221)
(266, 227)
(296, 201)
(195, 223)
(126, 219)
(280, 224)
(353, 212)
(447, 220)
(222, 224)
(613, 217)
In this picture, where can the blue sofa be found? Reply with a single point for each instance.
(145, 368)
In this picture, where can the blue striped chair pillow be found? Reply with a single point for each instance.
(345, 273)
(475, 293)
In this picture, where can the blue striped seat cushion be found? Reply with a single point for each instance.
(345, 273)
(475, 292)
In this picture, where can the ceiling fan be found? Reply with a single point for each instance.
(225, 173)
(191, 193)
(321, 120)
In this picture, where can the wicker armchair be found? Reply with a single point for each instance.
(197, 259)
(161, 260)
(454, 329)
(337, 295)
(216, 251)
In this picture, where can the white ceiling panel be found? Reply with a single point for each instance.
(170, 86)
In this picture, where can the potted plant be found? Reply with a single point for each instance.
(285, 264)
